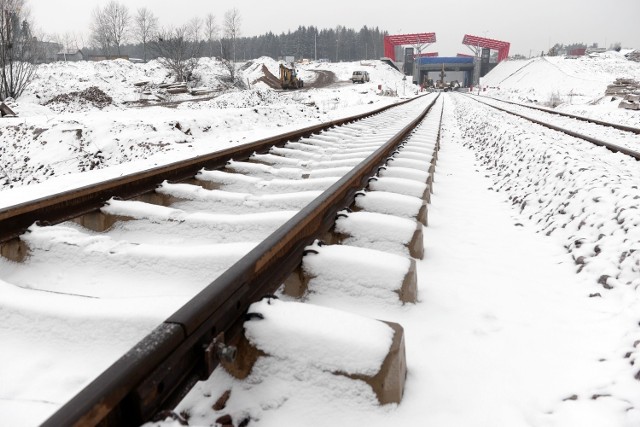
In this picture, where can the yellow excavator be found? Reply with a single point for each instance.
(289, 78)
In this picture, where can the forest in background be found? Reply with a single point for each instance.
(339, 44)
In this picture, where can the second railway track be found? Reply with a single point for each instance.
(229, 235)
(617, 138)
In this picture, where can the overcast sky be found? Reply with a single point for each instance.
(529, 25)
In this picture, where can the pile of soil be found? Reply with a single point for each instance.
(268, 78)
(92, 95)
(325, 78)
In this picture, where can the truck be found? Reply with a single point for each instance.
(360, 76)
(289, 77)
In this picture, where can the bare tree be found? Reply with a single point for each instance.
(118, 22)
(232, 22)
(178, 51)
(100, 37)
(110, 26)
(71, 42)
(211, 30)
(145, 25)
(194, 27)
(231, 30)
(18, 49)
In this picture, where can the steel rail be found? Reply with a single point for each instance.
(571, 116)
(159, 370)
(612, 147)
(14, 220)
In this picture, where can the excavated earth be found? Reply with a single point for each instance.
(325, 78)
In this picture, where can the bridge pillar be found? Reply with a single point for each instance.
(476, 70)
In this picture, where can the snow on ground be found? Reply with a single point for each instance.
(513, 327)
(77, 143)
(506, 332)
(577, 84)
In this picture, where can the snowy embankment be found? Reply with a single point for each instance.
(583, 194)
(576, 85)
(59, 142)
(620, 138)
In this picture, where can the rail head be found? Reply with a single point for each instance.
(142, 389)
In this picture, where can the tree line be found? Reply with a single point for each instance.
(117, 31)
(111, 37)
(560, 47)
(339, 44)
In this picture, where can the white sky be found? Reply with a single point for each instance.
(528, 25)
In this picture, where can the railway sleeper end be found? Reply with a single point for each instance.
(388, 383)
(423, 214)
(296, 285)
(415, 246)
(415, 189)
(15, 250)
(408, 292)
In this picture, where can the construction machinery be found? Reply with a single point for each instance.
(289, 78)
(441, 84)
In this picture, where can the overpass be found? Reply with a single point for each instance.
(419, 65)
(436, 64)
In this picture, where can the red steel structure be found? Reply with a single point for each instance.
(390, 42)
(477, 42)
(464, 55)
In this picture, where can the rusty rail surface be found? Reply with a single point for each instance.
(612, 147)
(571, 116)
(14, 220)
(157, 373)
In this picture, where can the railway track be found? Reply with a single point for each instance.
(615, 137)
(567, 115)
(201, 239)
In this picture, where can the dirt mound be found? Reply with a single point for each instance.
(324, 78)
(92, 95)
(269, 79)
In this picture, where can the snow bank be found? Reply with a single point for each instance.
(72, 138)
(559, 79)
(580, 193)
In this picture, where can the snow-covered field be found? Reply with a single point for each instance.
(577, 84)
(528, 293)
(63, 139)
